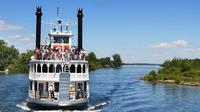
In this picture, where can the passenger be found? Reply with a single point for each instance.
(51, 54)
(33, 57)
(37, 52)
(51, 91)
(46, 53)
(78, 95)
(43, 52)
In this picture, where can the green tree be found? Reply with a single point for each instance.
(106, 62)
(6, 54)
(91, 56)
(94, 63)
(21, 62)
(117, 61)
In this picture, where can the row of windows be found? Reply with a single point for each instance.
(59, 68)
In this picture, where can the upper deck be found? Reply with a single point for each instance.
(50, 70)
(58, 55)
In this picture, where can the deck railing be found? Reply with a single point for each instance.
(43, 95)
(79, 76)
(44, 76)
(47, 95)
(55, 76)
(78, 95)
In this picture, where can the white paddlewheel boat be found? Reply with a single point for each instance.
(58, 71)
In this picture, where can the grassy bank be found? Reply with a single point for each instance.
(178, 71)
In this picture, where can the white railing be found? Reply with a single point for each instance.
(79, 76)
(42, 94)
(55, 76)
(44, 76)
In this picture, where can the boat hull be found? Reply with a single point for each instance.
(76, 104)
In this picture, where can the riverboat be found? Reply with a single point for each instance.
(58, 71)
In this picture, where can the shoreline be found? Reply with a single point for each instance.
(174, 82)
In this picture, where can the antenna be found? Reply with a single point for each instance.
(57, 13)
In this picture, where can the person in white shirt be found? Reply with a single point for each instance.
(51, 91)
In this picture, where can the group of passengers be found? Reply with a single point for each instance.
(46, 53)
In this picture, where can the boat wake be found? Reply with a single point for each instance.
(24, 106)
(97, 106)
(91, 108)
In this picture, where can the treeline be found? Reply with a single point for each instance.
(95, 63)
(16, 62)
(11, 59)
(179, 70)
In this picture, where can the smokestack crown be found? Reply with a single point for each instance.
(80, 13)
(39, 11)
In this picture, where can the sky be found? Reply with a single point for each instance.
(141, 31)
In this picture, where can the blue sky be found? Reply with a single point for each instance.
(139, 30)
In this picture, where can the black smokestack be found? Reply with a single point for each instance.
(38, 26)
(80, 32)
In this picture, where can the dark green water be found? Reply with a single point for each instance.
(114, 90)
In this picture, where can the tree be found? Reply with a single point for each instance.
(105, 61)
(91, 56)
(93, 61)
(117, 61)
(21, 62)
(6, 54)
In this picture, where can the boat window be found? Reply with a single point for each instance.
(34, 67)
(35, 86)
(31, 83)
(80, 86)
(61, 40)
(51, 68)
(39, 68)
(83, 68)
(41, 89)
(44, 68)
(56, 86)
(47, 86)
(72, 69)
(58, 69)
(85, 86)
(79, 69)
(66, 68)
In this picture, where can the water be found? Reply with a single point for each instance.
(113, 90)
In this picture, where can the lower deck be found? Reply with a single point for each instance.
(58, 93)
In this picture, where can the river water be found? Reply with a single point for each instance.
(113, 90)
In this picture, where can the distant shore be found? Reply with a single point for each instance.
(177, 71)
(150, 64)
(174, 82)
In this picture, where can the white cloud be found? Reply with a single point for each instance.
(6, 26)
(162, 45)
(177, 43)
(181, 43)
(192, 49)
